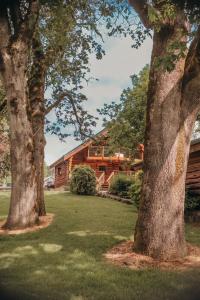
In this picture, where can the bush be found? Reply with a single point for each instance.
(120, 185)
(135, 189)
(192, 201)
(83, 181)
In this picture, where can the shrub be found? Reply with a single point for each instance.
(83, 181)
(120, 185)
(192, 201)
(135, 188)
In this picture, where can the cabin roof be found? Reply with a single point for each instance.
(78, 148)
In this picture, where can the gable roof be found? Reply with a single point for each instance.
(74, 151)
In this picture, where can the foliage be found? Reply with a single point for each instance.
(135, 189)
(67, 54)
(66, 64)
(83, 180)
(162, 13)
(120, 185)
(126, 120)
(192, 201)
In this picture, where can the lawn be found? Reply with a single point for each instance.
(64, 261)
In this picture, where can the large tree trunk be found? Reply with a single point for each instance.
(36, 91)
(160, 226)
(39, 140)
(22, 211)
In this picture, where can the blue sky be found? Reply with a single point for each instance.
(113, 73)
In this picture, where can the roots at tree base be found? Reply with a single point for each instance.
(124, 256)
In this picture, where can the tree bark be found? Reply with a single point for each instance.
(160, 227)
(22, 212)
(16, 34)
(36, 92)
(39, 140)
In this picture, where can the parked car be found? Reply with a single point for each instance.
(49, 182)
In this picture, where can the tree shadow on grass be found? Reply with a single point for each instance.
(76, 273)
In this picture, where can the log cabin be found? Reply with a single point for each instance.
(193, 170)
(95, 153)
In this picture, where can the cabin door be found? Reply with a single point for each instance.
(104, 168)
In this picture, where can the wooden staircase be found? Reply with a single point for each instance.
(102, 184)
(105, 186)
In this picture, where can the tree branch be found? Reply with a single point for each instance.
(57, 102)
(69, 95)
(27, 27)
(4, 27)
(78, 119)
(191, 78)
(141, 8)
(15, 15)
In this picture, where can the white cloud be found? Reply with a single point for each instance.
(121, 60)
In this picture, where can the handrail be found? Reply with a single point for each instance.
(100, 181)
(110, 177)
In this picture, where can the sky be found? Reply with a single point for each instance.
(113, 73)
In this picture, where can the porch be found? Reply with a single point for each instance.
(104, 180)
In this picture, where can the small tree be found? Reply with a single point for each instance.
(83, 181)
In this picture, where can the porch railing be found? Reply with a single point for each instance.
(100, 181)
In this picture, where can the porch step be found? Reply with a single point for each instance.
(104, 186)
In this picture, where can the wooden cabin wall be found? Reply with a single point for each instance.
(61, 174)
(193, 172)
(81, 158)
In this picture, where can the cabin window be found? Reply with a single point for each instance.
(59, 171)
(102, 168)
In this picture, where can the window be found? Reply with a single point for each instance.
(59, 171)
(102, 168)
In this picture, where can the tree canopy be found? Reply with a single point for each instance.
(66, 55)
(126, 120)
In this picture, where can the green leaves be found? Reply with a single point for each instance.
(174, 53)
(70, 31)
(83, 180)
(192, 201)
(126, 120)
(161, 13)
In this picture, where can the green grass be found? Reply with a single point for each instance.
(64, 261)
